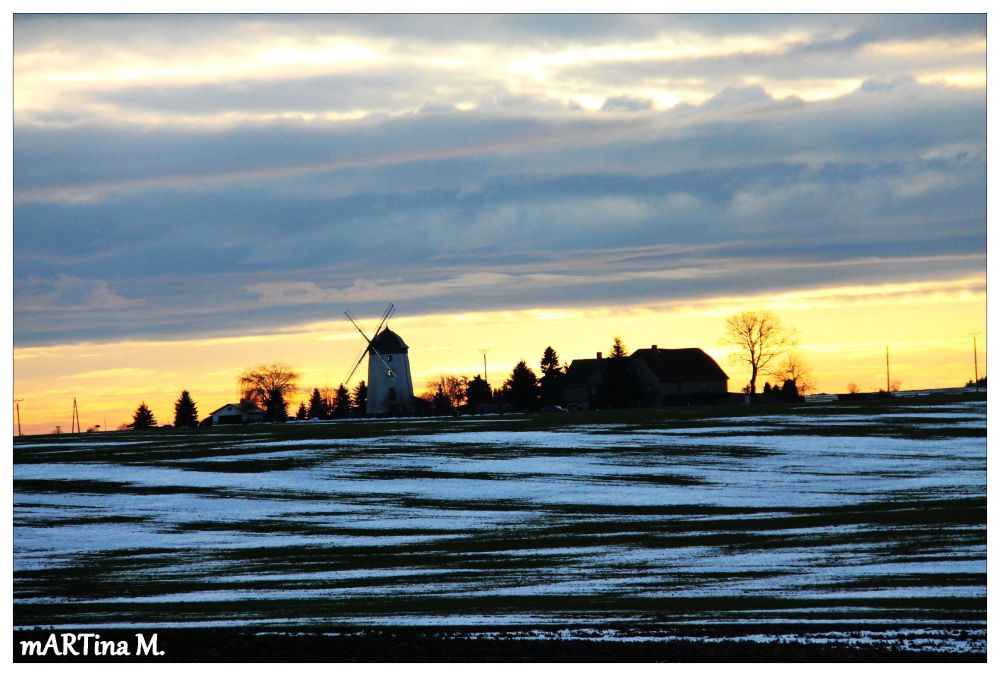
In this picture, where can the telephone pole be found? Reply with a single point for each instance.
(17, 405)
(887, 390)
(975, 360)
(484, 350)
(75, 424)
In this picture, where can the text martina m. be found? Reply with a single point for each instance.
(84, 645)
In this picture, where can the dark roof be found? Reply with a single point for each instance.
(684, 364)
(389, 342)
(253, 408)
(584, 371)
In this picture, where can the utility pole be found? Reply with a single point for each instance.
(887, 390)
(975, 360)
(75, 423)
(484, 350)
(17, 405)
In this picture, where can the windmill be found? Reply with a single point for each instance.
(390, 388)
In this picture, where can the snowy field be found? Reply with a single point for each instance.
(824, 522)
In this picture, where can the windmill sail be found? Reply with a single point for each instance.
(369, 347)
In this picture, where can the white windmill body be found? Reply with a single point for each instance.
(390, 387)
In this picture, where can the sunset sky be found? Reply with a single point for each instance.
(196, 194)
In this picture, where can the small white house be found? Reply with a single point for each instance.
(235, 414)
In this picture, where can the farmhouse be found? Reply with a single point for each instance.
(658, 377)
(582, 386)
(683, 376)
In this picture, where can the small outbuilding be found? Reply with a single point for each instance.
(236, 414)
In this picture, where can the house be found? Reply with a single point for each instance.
(678, 377)
(582, 383)
(235, 414)
(659, 377)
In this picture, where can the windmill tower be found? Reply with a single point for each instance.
(390, 388)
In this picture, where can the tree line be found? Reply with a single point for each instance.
(524, 389)
(267, 389)
(185, 414)
(764, 345)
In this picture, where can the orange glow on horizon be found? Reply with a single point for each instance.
(843, 333)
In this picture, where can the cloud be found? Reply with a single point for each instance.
(124, 372)
(734, 97)
(176, 203)
(63, 293)
(626, 103)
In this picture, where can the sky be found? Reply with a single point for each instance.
(197, 194)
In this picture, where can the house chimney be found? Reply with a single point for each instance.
(654, 348)
(598, 355)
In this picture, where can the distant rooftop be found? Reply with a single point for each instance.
(682, 364)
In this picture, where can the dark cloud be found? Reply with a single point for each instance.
(845, 57)
(181, 30)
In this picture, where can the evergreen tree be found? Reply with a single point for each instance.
(302, 413)
(317, 407)
(478, 392)
(341, 403)
(788, 391)
(521, 389)
(618, 390)
(185, 411)
(618, 350)
(276, 407)
(360, 398)
(143, 418)
(550, 383)
(550, 362)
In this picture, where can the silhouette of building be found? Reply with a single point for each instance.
(582, 383)
(234, 414)
(390, 388)
(661, 377)
(677, 377)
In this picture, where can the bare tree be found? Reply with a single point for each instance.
(853, 388)
(262, 383)
(761, 339)
(452, 387)
(794, 367)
